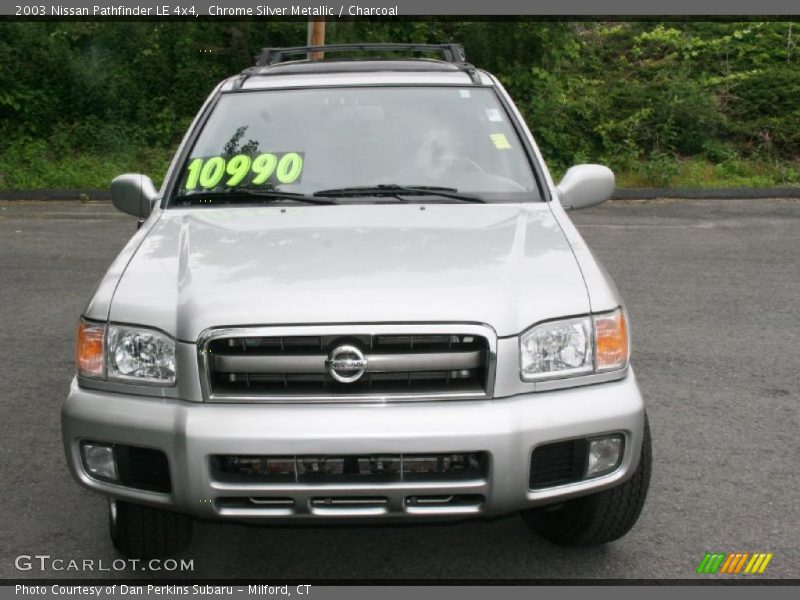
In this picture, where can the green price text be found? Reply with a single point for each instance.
(243, 169)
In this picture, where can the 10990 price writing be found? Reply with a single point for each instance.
(243, 169)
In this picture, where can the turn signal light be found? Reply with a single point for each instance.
(89, 349)
(611, 341)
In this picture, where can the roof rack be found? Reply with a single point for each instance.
(452, 53)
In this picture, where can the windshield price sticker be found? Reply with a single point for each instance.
(243, 170)
(500, 141)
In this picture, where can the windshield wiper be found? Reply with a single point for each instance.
(240, 194)
(396, 190)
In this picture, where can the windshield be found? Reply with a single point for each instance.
(348, 142)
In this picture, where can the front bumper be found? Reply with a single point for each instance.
(508, 429)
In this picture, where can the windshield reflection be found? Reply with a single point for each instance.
(303, 141)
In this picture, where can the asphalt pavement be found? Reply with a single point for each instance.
(712, 288)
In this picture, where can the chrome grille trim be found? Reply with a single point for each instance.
(207, 362)
(376, 363)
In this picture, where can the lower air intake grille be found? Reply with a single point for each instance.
(142, 468)
(366, 468)
(558, 463)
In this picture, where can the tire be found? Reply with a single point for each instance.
(145, 533)
(600, 518)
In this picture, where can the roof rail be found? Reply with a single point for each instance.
(452, 53)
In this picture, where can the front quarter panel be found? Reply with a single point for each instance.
(100, 304)
(602, 291)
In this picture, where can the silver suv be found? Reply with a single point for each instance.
(358, 295)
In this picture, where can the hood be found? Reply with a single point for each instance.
(505, 265)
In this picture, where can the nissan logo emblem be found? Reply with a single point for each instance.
(346, 364)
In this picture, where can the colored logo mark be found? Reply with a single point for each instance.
(735, 563)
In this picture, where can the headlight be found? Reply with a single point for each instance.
(577, 346)
(557, 349)
(136, 354)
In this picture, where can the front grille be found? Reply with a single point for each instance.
(341, 366)
(364, 468)
(558, 463)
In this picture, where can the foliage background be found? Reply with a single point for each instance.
(663, 103)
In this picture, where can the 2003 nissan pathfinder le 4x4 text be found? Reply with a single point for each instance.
(358, 295)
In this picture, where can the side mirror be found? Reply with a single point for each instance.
(586, 185)
(133, 194)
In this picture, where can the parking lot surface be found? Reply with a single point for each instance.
(712, 289)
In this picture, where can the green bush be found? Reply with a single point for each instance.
(682, 103)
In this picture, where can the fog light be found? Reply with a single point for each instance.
(605, 454)
(98, 459)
